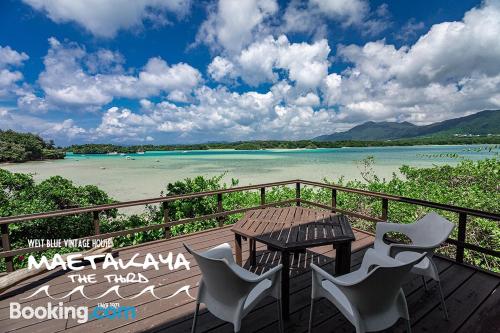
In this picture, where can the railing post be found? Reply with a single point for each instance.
(96, 221)
(220, 219)
(462, 226)
(6, 247)
(262, 196)
(334, 199)
(297, 193)
(385, 208)
(166, 220)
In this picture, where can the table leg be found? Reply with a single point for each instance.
(343, 258)
(237, 249)
(285, 285)
(252, 248)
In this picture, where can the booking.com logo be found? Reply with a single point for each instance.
(80, 313)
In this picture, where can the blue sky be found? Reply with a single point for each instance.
(180, 71)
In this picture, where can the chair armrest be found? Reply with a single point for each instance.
(372, 257)
(270, 274)
(222, 251)
(320, 274)
(396, 248)
(384, 227)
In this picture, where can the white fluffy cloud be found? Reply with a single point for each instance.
(9, 77)
(221, 68)
(219, 114)
(306, 64)
(105, 18)
(314, 16)
(179, 77)
(63, 131)
(10, 57)
(348, 11)
(231, 25)
(74, 78)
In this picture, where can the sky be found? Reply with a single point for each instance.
(185, 71)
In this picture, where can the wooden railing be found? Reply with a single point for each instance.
(220, 215)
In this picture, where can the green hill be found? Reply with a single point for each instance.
(481, 123)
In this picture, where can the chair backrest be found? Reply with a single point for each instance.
(431, 230)
(220, 282)
(377, 292)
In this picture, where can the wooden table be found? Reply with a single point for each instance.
(294, 229)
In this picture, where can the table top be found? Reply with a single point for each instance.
(293, 228)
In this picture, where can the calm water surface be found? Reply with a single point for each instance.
(143, 176)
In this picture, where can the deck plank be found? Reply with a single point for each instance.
(486, 317)
(461, 303)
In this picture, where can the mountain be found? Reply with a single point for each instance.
(481, 123)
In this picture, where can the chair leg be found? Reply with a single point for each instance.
(311, 315)
(280, 317)
(443, 303)
(408, 326)
(195, 317)
(425, 283)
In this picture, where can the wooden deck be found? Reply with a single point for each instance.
(472, 296)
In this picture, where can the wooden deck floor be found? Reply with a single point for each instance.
(472, 296)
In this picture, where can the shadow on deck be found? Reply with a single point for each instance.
(472, 296)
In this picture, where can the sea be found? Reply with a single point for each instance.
(138, 176)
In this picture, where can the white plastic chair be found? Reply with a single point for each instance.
(371, 298)
(230, 291)
(426, 235)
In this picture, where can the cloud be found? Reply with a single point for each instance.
(124, 124)
(220, 69)
(106, 18)
(232, 25)
(8, 81)
(28, 101)
(314, 16)
(331, 88)
(219, 114)
(349, 12)
(410, 30)
(62, 132)
(10, 57)
(310, 99)
(74, 78)
(179, 77)
(306, 64)
(9, 77)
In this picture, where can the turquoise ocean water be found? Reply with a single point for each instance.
(136, 176)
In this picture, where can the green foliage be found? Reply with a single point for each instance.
(19, 194)
(248, 146)
(22, 147)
